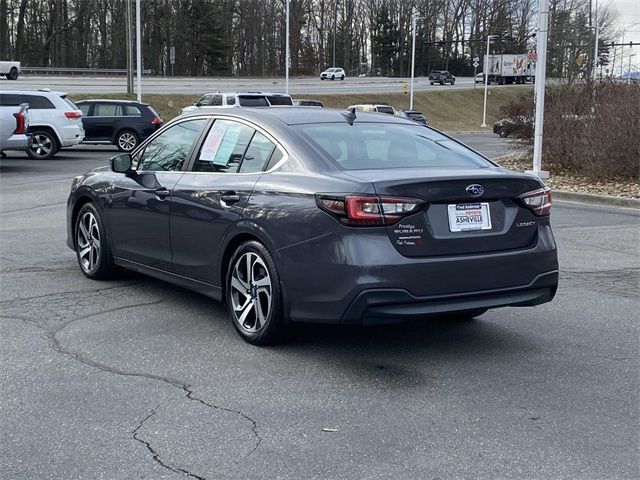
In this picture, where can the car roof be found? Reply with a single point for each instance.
(34, 92)
(111, 100)
(297, 115)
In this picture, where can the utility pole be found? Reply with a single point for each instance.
(414, 20)
(541, 71)
(335, 22)
(486, 80)
(286, 55)
(595, 52)
(138, 51)
(129, 51)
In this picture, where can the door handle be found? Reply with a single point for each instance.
(162, 192)
(229, 198)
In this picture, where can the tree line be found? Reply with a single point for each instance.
(247, 37)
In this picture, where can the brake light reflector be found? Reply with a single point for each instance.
(20, 123)
(156, 121)
(73, 115)
(364, 211)
(538, 201)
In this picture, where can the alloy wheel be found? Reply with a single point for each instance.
(127, 141)
(42, 145)
(88, 242)
(251, 292)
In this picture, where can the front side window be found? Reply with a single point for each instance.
(205, 100)
(383, 145)
(169, 150)
(224, 147)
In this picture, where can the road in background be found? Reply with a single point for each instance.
(135, 378)
(200, 85)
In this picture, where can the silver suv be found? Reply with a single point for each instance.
(248, 99)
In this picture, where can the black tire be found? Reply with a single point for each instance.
(44, 146)
(321, 78)
(13, 74)
(342, 77)
(97, 263)
(503, 134)
(453, 82)
(246, 320)
(126, 140)
(430, 83)
(333, 77)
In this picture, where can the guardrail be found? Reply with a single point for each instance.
(81, 70)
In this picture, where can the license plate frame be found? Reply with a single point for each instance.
(469, 217)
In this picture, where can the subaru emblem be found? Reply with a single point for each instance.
(475, 190)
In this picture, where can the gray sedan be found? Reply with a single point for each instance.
(328, 216)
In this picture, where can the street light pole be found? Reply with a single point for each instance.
(286, 60)
(138, 52)
(595, 51)
(414, 21)
(129, 52)
(541, 71)
(486, 81)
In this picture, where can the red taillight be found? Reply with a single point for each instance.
(367, 211)
(538, 201)
(73, 115)
(21, 121)
(156, 121)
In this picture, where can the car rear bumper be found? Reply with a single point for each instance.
(375, 307)
(17, 142)
(71, 135)
(358, 277)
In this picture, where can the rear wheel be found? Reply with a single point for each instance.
(126, 141)
(342, 77)
(453, 82)
(333, 77)
(92, 247)
(503, 133)
(13, 74)
(44, 145)
(253, 294)
(430, 83)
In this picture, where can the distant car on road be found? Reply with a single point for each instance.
(413, 115)
(373, 107)
(333, 73)
(10, 69)
(317, 215)
(479, 78)
(441, 77)
(55, 120)
(240, 99)
(14, 128)
(122, 123)
(305, 102)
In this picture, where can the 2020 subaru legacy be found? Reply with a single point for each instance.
(328, 216)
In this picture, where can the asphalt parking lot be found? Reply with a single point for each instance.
(135, 378)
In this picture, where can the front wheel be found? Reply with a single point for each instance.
(253, 294)
(453, 82)
(503, 134)
(342, 77)
(92, 247)
(333, 77)
(44, 145)
(126, 141)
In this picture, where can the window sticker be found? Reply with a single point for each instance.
(212, 143)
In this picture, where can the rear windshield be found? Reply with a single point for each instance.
(252, 101)
(280, 100)
(382, 145)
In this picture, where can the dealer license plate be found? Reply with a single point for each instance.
(465, 217)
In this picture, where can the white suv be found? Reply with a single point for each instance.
(332, 74)
(248, 99)
(55, 121)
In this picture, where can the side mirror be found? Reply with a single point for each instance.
(121, 163)
(196, 103)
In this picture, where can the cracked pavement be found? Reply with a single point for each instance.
(135, 378)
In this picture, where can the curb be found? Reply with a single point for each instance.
(603, 200)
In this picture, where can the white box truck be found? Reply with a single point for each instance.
(10, 69)
(508, 68)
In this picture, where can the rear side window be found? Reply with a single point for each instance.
(381, 145)
(252, 101)
(257, 154)
(107, 110)
(36, 102)
(131, 111)
(84, 108)
(224, 147)
(280, 100)
(386, 110)
(231, 100)
(69, 102)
